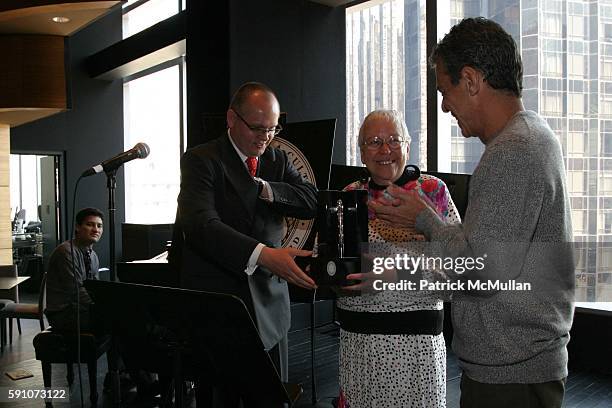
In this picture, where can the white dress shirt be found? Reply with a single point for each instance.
(266, 194)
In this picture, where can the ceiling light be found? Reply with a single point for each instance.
(60, 19)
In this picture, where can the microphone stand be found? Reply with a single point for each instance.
(113, 353)
(111, 184)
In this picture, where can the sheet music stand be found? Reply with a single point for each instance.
(191, 334)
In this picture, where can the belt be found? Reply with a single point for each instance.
(413, 322)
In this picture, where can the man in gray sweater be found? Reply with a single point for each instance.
(511, 344)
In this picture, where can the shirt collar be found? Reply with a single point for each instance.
(83, 247)
(243, 157)
(410, 173)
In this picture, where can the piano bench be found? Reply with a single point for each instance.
(52, 347)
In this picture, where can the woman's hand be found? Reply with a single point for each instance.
(366, 284)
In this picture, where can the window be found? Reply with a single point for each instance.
(25, 185)
(575, 144)
(606, 145)
(605, 227)
(152, 115)
(607, 32)
(606, 108)
(578, 220)
(576, 104)
(606, 184)
(606, 69)
(575, 182)
(551, 64)
(604, 281)
(35, 205)
(456, 9)
(575, 26)
(552, 103)
(560, 43)
(385, 71)
(140, 15)
(552, 25)
(575, 65)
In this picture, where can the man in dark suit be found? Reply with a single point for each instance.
(235, 193)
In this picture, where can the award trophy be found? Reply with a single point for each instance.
(342, 225)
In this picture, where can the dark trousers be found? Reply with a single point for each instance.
(539, 395)
(227, 397)
(65, 321)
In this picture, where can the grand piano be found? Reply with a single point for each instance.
(145, 255)
(155, 271)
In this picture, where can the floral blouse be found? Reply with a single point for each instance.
(428, 187)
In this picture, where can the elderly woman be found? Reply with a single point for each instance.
(392, 352)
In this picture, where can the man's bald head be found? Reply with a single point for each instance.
(252, 118)
(246, 91)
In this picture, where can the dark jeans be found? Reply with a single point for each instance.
(539, 395)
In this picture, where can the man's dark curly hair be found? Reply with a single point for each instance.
(485, 46)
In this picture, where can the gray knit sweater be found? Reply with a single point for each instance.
(518, 214)
(61, 289)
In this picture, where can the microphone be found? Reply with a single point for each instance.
(140, 151)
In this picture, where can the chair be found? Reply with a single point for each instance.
(9, 295)
(23, 311)
(458, 184)
(55, 348)
(32, 266)
(3, 303)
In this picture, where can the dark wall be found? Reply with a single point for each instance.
(298, 49)
(207, 62)
(590, 345)
(90, 132)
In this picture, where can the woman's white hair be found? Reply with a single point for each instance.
(390, 115)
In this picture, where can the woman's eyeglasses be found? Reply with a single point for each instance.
(394, 143)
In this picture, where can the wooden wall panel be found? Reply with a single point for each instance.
(6, 256)
(5, 152)
(32, 72)
(20, 18)
(6, 239)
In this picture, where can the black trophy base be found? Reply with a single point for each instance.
(333, 271)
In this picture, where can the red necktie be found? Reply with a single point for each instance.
(251, 163)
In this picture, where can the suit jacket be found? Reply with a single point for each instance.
(223, 220)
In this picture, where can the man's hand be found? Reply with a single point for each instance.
(402, 210)
(280, 262)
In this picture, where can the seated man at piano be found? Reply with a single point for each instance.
(63, 278)
(70, 264)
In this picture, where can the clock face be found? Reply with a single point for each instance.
(297, 231)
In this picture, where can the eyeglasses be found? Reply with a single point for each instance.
(394, 142)
(261, 130)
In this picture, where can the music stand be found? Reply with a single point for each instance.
(189, 333)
